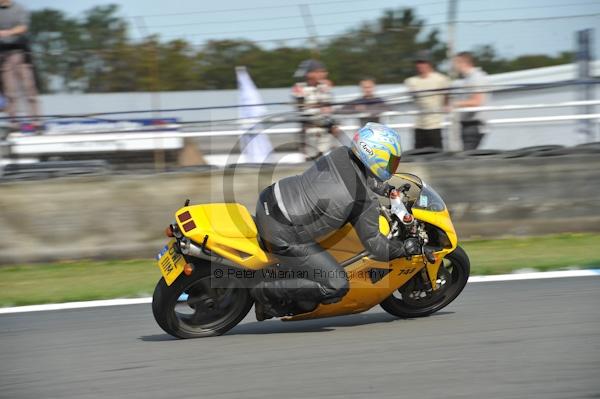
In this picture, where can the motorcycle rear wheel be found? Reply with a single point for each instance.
(411, 301)
(192, 308)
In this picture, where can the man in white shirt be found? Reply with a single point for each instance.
(428, 90)
(472, 95)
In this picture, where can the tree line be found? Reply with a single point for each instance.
(94, 53)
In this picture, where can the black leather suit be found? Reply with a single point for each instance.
(331, 193)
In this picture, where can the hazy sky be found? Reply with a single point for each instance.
(265, 20)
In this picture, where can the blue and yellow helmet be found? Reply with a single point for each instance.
(378, 148)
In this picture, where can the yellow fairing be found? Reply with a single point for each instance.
(344, 243)
(231, 233)
(384, 226)
(438, 219)
(443, 221)
(363, 293)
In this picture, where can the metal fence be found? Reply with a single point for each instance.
(159, 147)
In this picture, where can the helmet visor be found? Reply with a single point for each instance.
(393, 164)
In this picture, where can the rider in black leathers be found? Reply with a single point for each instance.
(292, 214)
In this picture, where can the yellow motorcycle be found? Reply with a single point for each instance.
(215, 255)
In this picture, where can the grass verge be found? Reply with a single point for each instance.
(87, 280)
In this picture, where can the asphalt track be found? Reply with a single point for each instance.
(517, 339)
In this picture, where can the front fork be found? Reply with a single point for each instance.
(429, 274)
(431, 263)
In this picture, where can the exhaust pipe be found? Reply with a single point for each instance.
(189, 248)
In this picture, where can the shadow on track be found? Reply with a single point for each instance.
(157, 338)
(305, 326)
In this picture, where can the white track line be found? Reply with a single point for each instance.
(75, 305)
(137, 301)
(533, 276)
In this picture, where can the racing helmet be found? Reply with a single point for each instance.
(378, 148)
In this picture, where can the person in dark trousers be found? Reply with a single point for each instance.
(294, 213)
(427, 89)
(15, 65)
(473, 95)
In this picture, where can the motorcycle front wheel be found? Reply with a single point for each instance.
(192, 308)
(413, 300)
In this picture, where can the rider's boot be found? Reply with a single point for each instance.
(266, 307)
(260, 311)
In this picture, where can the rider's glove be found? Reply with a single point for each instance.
(380, 188)
(412, 246)
(429, 255)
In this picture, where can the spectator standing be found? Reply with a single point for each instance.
(368, 103)
(430, 103)
(17, 71)
(314, 98)
(473, 95)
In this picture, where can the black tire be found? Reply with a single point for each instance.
(456, 268)
(221, 308)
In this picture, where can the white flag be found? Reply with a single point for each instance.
(256, 147)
